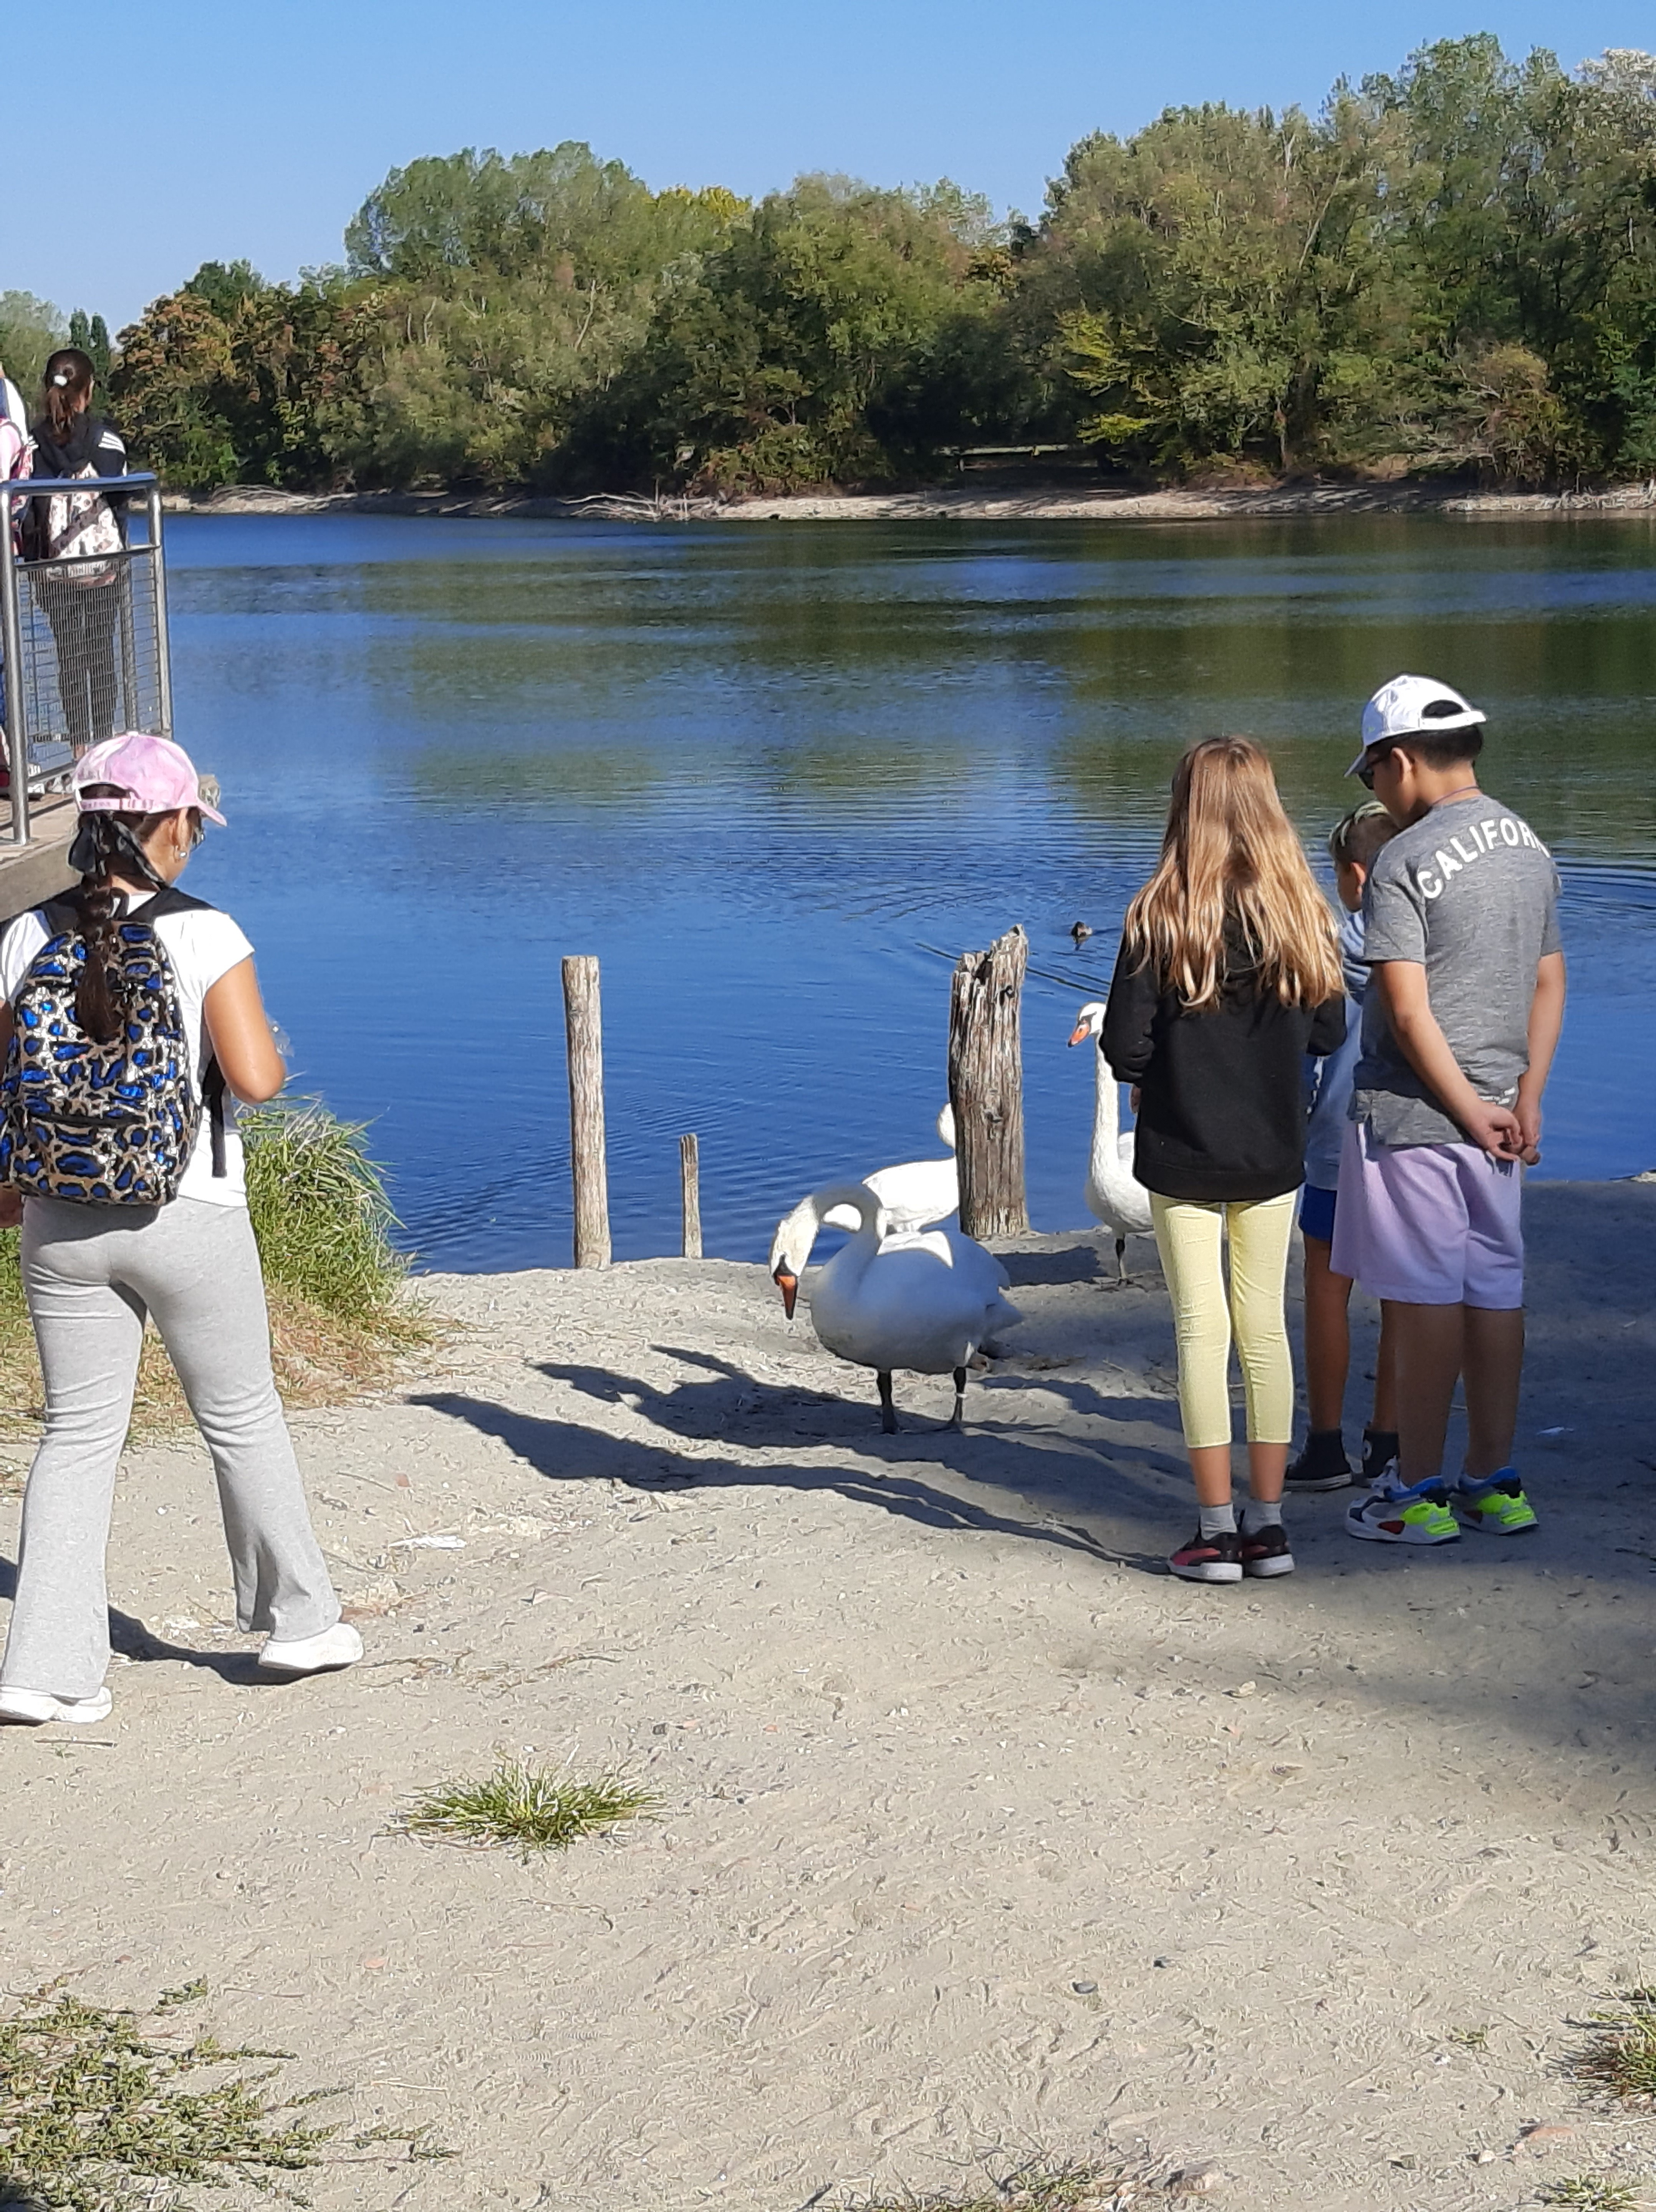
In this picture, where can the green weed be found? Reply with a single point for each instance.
(1046, 2185)
(525, 1808)
(1592, 2192)
(1470, 2038)
(93, 2116)
(1619, 2056)
(320, 1210)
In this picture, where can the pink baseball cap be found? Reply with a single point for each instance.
(152, 775)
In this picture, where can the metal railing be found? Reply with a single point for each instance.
(84, 640)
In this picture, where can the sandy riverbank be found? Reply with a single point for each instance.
(937, 1741)
(948, 504)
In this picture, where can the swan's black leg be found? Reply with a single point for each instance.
(1121, 1258)
(959, 1420)
(887, 1410)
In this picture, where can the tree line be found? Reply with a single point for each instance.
(1450, 270)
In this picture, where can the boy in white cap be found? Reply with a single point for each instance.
(1460, 1022)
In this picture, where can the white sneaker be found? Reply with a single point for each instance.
(338, 1646)
(34, 1706)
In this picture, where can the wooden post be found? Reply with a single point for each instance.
(986, 1086)
(583, 1025)
(689, 1176)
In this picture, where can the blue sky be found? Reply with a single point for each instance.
(238, 129)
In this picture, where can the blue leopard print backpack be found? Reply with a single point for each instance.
(103, 1124)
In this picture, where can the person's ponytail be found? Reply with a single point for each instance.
(103, 842)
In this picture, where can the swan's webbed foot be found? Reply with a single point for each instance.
(887, 1410)
(958, 1420)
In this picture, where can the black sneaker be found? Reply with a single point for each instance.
(1322, 1465)
(1266, 1550)
(1380, 1457)
(1210, 1559)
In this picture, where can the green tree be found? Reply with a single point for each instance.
(30, 330)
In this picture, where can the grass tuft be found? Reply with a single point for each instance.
(95, 2116)
(1619, 2057)
(1046, 2185)
(340, 1315)
(1592, 2192)
(525, 1808)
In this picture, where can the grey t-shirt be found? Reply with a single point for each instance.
(1470, 893)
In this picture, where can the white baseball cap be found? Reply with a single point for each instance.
(1413, 707)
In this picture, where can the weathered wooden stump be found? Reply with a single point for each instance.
(986, 1086)
(690, 1180)
(584, 1028)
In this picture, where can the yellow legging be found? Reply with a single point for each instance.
(1188, 1234)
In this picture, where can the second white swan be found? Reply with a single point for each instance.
(1114, 1193)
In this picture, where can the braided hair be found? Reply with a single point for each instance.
(102, 843)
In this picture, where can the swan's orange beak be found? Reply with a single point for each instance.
(1079, 1034)
(789, 1286)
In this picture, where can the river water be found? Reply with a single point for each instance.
(777, 776)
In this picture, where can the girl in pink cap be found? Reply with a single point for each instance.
(105, 1245)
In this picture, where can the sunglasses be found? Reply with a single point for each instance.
(1365, 772)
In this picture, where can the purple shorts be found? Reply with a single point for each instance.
(1429, 1224)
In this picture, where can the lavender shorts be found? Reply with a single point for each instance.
(1429, 1224)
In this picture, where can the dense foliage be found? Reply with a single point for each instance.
(1451, 268)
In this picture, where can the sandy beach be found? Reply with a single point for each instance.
(977, 1831)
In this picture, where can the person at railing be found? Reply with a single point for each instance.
(81, 601)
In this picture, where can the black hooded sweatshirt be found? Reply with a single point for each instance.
(1222, 1116)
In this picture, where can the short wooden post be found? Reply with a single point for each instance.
(584, 1027)
(986, 1086)
(689, 1176)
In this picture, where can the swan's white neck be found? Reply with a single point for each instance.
(1106, 1118)
(796, 1236)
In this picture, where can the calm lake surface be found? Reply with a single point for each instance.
(777, 776)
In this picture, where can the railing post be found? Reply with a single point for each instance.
(11, 632)
(163, 642)
(689, 1178)
(986, 1086)
(584, 1029)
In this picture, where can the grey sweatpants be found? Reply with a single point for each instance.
(90, 1273)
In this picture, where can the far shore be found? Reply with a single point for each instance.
(1053, 504)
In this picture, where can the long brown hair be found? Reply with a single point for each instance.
(1229, 861)
(66, 388)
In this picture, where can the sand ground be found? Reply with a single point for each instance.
(977, 1830)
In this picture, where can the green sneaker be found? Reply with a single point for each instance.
(1497, 1505)
(1419, 1516)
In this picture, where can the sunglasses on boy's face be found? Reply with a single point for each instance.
(1365, 772)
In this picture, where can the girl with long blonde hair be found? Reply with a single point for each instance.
(1227, 978)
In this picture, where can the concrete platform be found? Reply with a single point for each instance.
(37, 870)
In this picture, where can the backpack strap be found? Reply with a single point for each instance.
(174, 900)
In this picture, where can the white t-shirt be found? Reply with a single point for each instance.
(201, 947)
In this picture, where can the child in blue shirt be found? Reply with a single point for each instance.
(1321, 1464)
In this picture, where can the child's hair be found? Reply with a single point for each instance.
(1357, 837)
(65, 386)
(1441, 749)
(1230, 858)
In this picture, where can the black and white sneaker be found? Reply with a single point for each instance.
(1380, 1457)
(1322, 1465)
(1210, 1559)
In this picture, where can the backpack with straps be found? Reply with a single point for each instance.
(109, 1124)
(80, 525)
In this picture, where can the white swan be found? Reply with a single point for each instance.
(923, 1300)
(1114, 1193)
(914, 1194)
